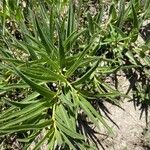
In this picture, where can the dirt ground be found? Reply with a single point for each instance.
(131, 131)
(129, 135)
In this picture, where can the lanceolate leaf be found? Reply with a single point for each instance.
(7, 112)
(61, 47)
(18, 104)
(78, 61)
(72, 38)
(121, 13)
(23, 111)
(64, 114)
(48, 76)
(27, 127)
(69, 132)
(42, 90)
(68, 142)
(100, 14)
(91, 24)
(85, 76)
(12, 60)
(87, 106)
(46, 42)
(13, 86)
(52, 63)
(70, 18)
(48, 134)
(29, 138)
(20, 119)
(135, 19)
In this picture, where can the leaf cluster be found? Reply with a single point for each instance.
(59, 67)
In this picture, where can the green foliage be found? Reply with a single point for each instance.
(59, 66)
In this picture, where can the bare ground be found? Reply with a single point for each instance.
(129, 133)
(132, 129)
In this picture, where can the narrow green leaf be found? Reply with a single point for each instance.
(29, 138)
(51, 142)
(69, 132)
(51, 62)
(18, 104)
(100, 14)
(23, 111)
(4, 11)
(26, 127)
(146, 5)
(87, 105)
(61, 47)
(112, 12)
(88, 112)
(147, 60)
(64, 99)
(68, 142)
(135, 18)
(52, 23)
(32, 52)
(72, 38)
(78, 61)
(58, 137)
(33, 39)
(13, 86)
(119, 31)
(121, 13)
(70, 22)
(130, 55)
(44, 76)
(20, 119)
(12, 60)
(7, 112)
(86, 75)
(31, 96)
(43, 91)
(46, 43)
(64, 115)
(49, 134)
(90, 24)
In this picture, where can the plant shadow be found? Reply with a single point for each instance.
(145, 32)
(139, 87)
(89, 130)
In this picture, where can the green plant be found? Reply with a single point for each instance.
(60, 67)
(51, 67)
